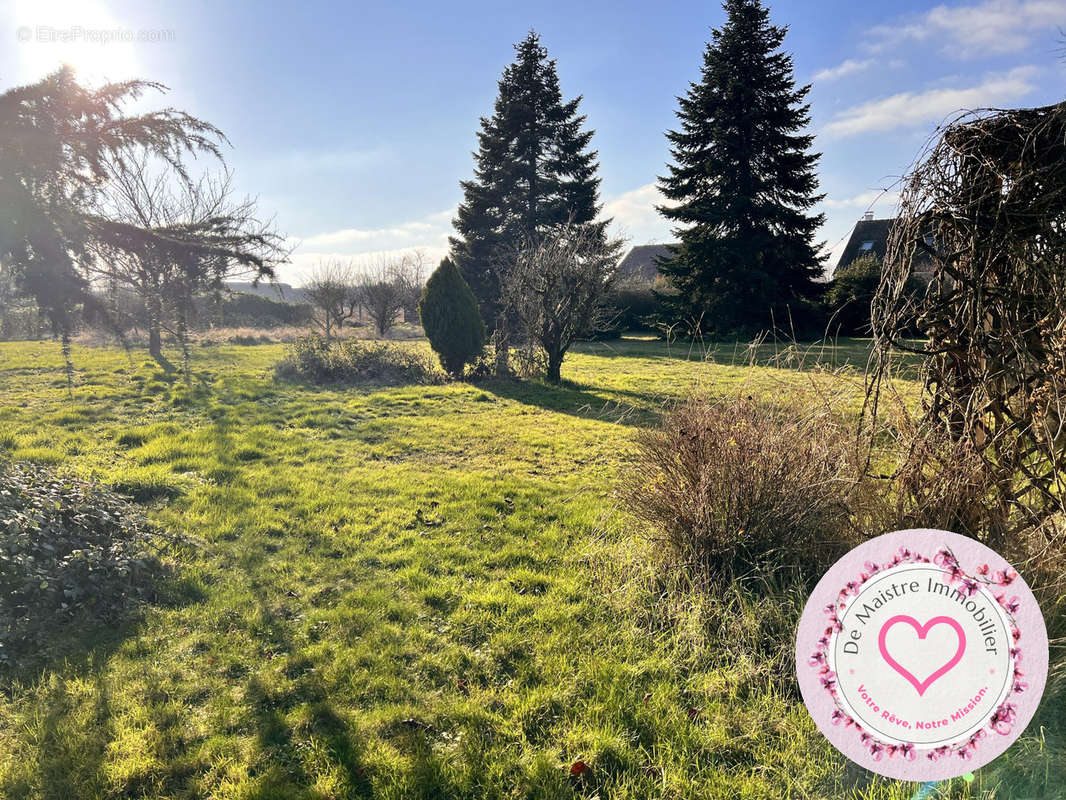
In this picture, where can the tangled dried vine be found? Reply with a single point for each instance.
(984, 214)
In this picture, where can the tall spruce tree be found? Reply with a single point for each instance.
(533, 170)
(743, 182)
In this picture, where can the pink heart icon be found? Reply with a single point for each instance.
(921, 630)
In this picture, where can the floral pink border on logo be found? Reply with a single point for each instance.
(1002, 719)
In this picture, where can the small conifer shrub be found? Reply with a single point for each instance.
(451, 319)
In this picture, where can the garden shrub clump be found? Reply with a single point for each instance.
(317, 360)
(69, 550)
(736, 486)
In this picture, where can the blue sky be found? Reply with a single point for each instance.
(353, 123)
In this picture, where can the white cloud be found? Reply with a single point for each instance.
(848, 67)
(429, 235)
(427, 230)
(994, 26)
(864, 200)
(908, 109)
(635, 217)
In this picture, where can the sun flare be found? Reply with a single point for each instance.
(81, 33)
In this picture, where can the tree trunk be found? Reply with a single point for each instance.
(555, 365)
(155, 338)
(183, 335)
(503, 346)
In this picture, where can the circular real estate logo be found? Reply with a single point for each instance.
(921, 655)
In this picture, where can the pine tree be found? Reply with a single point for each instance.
(450, 318)
(743, 182)
(533, 170)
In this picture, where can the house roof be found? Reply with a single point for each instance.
(868, 236)
(871, 236)
(640, 263)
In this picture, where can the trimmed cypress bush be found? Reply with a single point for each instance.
(451, 319)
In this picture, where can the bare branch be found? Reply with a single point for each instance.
(554, 285)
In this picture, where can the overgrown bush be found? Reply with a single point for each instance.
(451, 319)
(69, 550)
(736, 485)
(317, 360)
(922, 478)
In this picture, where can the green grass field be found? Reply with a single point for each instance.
(414, 592)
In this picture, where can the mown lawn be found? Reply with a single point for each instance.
(413, 592)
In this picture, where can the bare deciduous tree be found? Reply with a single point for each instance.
(391, 286)
(334, 292)
(414, 280)
(555, 284)
(170, 239)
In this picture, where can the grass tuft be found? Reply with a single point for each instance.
(145, 484)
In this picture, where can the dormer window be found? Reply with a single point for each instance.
(866, 247)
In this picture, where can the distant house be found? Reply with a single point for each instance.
(870, 237)
(638, 285)
(641, 263)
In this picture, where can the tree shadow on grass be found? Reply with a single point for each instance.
(298, 715)
(648, 349)
(829, 353)
(576, 400)
(280, 769)
(69, 726)
(738, 353)
(165, 364)
(69, 759)
(84, 641)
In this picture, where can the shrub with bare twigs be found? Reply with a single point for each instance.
(737, 485)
